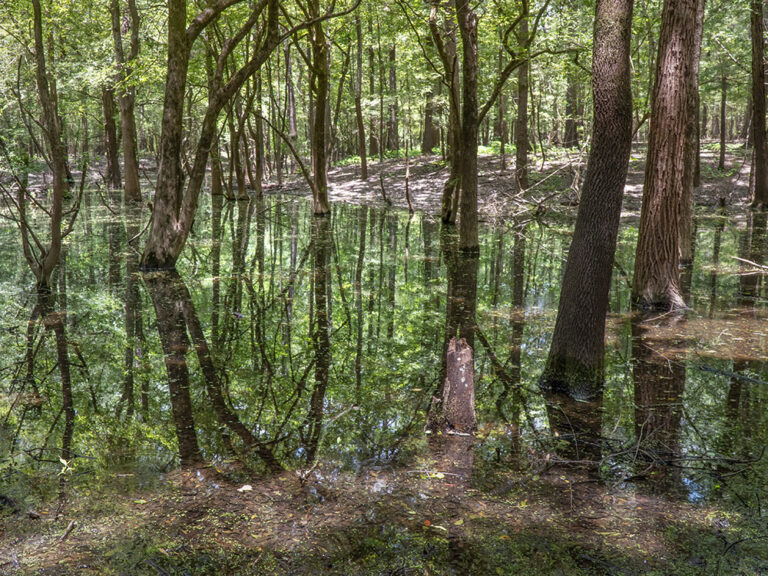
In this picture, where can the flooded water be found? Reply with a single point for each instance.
(317, 346)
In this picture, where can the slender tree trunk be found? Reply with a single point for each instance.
(110, 138)
(575, 365)
(373, 144)
(431, 135)
(657, 275)
(571, 138)
(127, 94)
(46, 88)
(393, 136)
(760, 165)
(704, 120)
(723, 131)
(468, 233)
(358, 101)
(522, 144)
(319, 86)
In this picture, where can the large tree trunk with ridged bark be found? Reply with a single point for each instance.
(691, 149)
(575, 363)
(760, 165)
(657, 276)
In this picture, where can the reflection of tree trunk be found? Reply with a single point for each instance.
(163, 289)
(579, 424)
(659, 387)
(134, 332)
(752, 247)
(363, 217)
(514, 371)
(175, 316)
(454, 456)
(716, 260)
(321, 342)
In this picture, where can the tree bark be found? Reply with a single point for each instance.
(522, 144)
(127, 95)
(575, 365)
(657, 277)
(760, 165)
(468, 233)
(723, 131)
(358, 101)
(319, 85)
(46, 87)
(691, 148)
(393, 135)
(571, 138)
(110, 138)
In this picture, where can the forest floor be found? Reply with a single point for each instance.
(413, 520)
(554, 183)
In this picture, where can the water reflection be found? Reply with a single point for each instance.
(659, 371)
(291, 341)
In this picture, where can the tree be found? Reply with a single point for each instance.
(657, 277)
(575, 362)
(760, 163)
(127, 93)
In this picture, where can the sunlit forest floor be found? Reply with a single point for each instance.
(555, 179)
(438, 508)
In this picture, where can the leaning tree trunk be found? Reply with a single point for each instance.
(657, 277)
(43, 266)
(575, 363)
(760, 165)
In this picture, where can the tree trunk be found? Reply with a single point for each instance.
(393, 135)
(46, 88)
(468, 233)
(760, 165)
(358, 101)
(575, 365)
(704, 120)
(110, 138)
(691, 149)
(723, 131)
(174, 210)
(657, 277)
(571, 138)
(522, 143)
(319, 86)
(431, 136)
(127, 95)
(373, 144)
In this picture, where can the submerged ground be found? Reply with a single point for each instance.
(327, 342)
